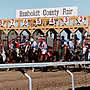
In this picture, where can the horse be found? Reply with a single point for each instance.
(40, 55)
(1, 59)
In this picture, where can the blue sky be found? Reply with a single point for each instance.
(8, 7)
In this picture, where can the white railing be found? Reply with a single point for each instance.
(20, 65)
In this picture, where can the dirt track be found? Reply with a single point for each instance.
(60, 80)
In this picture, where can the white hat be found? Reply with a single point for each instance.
(44, 51)
(66, 43)
(41, 35)
(26, 40)
(32, 39)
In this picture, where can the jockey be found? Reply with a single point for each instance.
(27, 46)
(33, 44)
(11, 45)
(49, 54)
(42, 45)
(17, 44)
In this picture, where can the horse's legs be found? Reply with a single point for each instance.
(33, 69)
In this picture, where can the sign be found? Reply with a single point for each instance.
(12, 22)
(38, 21)
(47, 12)
(25, 22)
(50, 42)
(81, 19)
(1, 22)
(66, 19)
(51, 21)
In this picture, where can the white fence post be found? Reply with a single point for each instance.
(73, 85)
(30, 81)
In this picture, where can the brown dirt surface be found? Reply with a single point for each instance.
(59, 80)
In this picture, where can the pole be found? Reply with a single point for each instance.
(73, 85)
(0, 40)
(30, 79)
(72, 75)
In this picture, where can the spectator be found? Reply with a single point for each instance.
(62, 46)
(24, 40)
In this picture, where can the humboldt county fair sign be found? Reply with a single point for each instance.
(47, 12)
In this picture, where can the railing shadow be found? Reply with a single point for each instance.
(82, 88)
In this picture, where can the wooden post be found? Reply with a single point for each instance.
(58, 45)
(88, 31)
(0, 40)
(18, 23)
(73, 39)
(45, 36)
(6, 39)
(19, 38)
(6, 24)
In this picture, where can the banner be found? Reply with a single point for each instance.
(47, 12)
